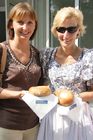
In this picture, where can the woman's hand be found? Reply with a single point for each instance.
(9, 94)
(86, 96)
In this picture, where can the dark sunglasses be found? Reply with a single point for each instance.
(71, 29)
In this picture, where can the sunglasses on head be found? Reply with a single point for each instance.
(71, 29)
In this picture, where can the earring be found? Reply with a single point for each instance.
(78, 35)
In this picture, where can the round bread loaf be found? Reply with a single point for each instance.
(40, 90)
(65, 96)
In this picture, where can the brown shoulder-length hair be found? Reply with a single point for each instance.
(18, 12)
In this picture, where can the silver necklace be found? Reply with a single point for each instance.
(18, 62)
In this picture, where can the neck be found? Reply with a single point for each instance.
(69, 51)
(20, 45)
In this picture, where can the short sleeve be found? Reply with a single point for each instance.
(45, 57)
(87, 69)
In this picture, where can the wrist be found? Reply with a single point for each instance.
(78, 95)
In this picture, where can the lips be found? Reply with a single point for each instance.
(25, 34)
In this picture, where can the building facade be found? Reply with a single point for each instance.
(46, 10)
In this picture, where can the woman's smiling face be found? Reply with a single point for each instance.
(23, 28)
(68, 32)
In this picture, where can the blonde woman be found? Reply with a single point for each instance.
(70, 67)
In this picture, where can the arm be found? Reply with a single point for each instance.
(87, 75)
(9, 94)
(88, 95)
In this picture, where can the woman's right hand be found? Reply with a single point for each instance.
(9, 94)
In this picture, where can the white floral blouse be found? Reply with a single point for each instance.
(77, 76)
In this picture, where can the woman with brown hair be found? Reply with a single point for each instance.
(23, 70)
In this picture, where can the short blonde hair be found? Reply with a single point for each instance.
(18, 12)
(66, 13)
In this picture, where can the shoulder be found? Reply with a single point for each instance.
(3, 48)
(88, 54)
(87, 51)
(35, 52)
(4, 43)
(87, 62)
(35, 49)
(46, 52)
(45, 56)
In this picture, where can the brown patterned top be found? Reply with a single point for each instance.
(14, 113)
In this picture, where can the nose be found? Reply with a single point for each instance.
(24, 26)
(66, 34)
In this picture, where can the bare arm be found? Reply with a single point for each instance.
(9, 94)
(88, 95)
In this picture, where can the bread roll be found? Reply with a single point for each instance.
(40, 91)
(65, 96)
